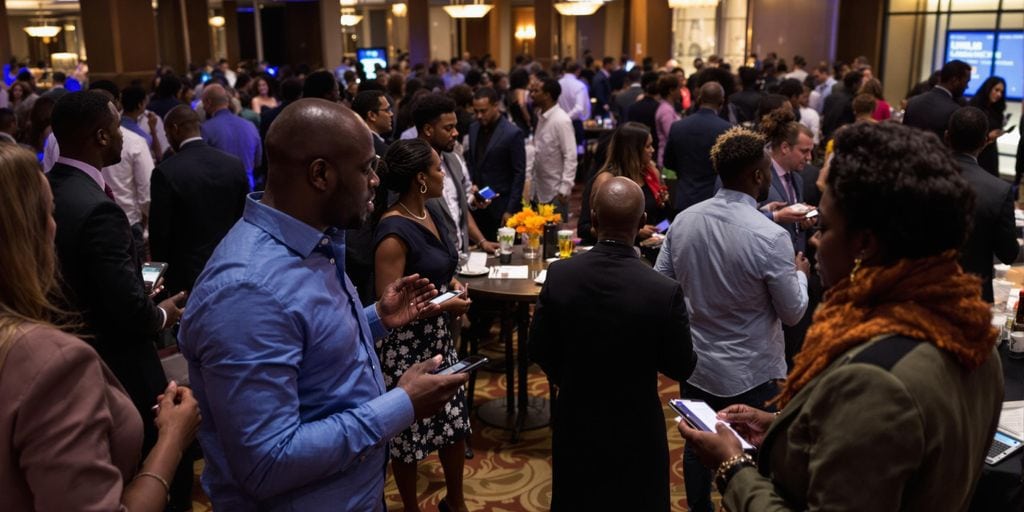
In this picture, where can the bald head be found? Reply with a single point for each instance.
(181, 123)
(618, 209)
(712, 95)
(215, 98)
(318, 153)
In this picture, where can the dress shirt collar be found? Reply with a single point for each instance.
(731, 196)
(635, 85)
(615, 247)
(546, 114)
(293, 233)
(189, 141)
(779, 170)
(221, 112)
(377, 136)
(943, 89)
(966, 156)
(93, 172)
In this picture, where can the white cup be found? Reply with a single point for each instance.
(1017, 344)
(506, 238)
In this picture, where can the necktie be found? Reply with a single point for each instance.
(791, 179)
(108, 191)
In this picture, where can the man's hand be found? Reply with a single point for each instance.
(429, 392)
(476, 201)
(151, 118)
(405, 300)
(773, 206)
(174, 307)
(791, 213)
(488, 246)
(802, 264)
(646, 232)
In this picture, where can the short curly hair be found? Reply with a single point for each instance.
(735, 151)
(902, 185)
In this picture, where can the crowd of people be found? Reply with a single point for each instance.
(308, 217)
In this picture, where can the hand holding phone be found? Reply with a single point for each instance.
(699, 415)
(465, 366)
(486, 194)
(662, 226)
(152, 273)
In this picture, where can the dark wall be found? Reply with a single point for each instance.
(776, 28)
(291, 34)
(860, 30)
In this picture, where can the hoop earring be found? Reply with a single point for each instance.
(856, 267)
(423, 188)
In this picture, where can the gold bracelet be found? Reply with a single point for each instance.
(730, 462)
(158, 478)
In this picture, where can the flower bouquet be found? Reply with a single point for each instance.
(529, 223)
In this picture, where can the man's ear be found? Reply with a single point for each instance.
(643, 220)
(317, 174)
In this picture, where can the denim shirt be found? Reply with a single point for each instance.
(282, 361)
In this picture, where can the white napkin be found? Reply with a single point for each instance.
(510, 272)
(477, 261)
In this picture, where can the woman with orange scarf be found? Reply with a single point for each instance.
(892, 403)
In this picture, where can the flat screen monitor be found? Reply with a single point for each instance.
(370, 58)
(979, 49)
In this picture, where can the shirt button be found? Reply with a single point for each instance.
(332, 261)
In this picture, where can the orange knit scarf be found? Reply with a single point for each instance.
(929, 299)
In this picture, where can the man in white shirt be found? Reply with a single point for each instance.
(573, 99)
(799, 63)
(554, 170)
(741, 283)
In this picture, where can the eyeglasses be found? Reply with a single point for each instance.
(374, 165)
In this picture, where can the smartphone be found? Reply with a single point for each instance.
(662, 226)
(466, 365)
(1010, 129)
(445, 297)
(1002, 446)
(486, 193)
(152, 271)
(811, 214)
(699, 415)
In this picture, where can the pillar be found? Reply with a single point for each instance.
(650, 30)
(500, 33)
(230, 8)
(418, 16)
(184, 34)
(545, 20)
(330, 33)
(120, 36)
(5, 36)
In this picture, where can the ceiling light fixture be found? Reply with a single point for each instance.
(687, 4)
(399, 10)
(217, 21)
(578, 8)
(474, 10)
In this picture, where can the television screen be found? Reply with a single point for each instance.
(978, 48)
(370, 58)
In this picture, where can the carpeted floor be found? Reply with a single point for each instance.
(506, 477)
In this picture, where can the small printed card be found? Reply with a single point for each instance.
(510, 272)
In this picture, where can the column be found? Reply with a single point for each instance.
(650, 30)
(183, 33)
(418, 16)
(230, 8)
(5, 36)
(330, 33)
(500, 33)
(197, 14)
(120, 36)
(545, 19)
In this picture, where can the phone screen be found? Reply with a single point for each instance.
(150, 273)
(444, 297)
(702, 417)
(465, 365)
(1007, 440)
(487, 193)
(662, 226)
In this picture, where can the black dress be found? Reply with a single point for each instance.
(988, 159)
(436, 260)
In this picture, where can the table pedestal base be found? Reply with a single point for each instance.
(496, 414)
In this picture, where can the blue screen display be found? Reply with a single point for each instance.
(978, 48)
(1005, 439)
(370, 58)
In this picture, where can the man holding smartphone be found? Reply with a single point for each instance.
(497, 161)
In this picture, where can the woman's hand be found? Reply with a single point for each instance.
(177, 415)
(712, 448)
(646, 232)
(457, 306)
(747, 421)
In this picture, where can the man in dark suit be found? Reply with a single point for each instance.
(589, 306)
(932, 110)
(627, 95)
(994, 232)
(688, 151)
(838, 109)
(785, 203)
(197, 195)
(373, 107)
(645, 109)
(496, 157)
(747, 101)
(102, 276)
(601, 88)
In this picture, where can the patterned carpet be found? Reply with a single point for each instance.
(506, 477)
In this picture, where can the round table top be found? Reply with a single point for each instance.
(517, 290)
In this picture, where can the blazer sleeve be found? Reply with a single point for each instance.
(675, 351)
(62, 433)
(160, 216)
(1006, 246)
(855, 461)
(119, 298)
(518, 149)
(543, 331)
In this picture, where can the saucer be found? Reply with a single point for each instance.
(474, 272)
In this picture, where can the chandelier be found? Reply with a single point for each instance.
(473, 10)
(578, 8)
(399, 10)
(43, 30)
(687, 4)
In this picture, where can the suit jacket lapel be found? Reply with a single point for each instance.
(777, 184)
(499, 132)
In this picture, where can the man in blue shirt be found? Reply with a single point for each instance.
(281, 350)
(228, 132)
